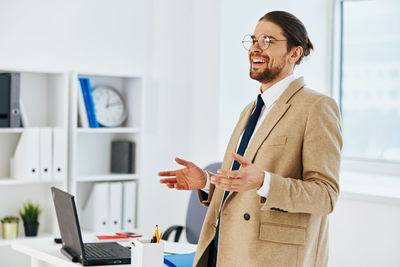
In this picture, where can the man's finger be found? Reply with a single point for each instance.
(232, 174)
(182, 162)
(167, 173)
(232, 188)
(168, 180)
(242, 160)
(222, 180)
(171, 185)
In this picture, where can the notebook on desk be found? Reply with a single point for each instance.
(179, 260)
(72, 245)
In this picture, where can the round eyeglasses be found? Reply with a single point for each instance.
(263, 41)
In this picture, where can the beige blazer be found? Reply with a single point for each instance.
(299, 143)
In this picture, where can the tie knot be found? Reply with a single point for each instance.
(260, 102)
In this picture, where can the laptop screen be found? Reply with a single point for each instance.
(68, 222)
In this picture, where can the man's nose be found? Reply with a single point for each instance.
(255, 47)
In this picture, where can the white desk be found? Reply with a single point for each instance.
(44, 250)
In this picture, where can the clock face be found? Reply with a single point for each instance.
(110, 106)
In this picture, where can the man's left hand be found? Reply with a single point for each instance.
(246, 178)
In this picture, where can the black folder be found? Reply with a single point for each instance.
(5, 82)
(9, 100)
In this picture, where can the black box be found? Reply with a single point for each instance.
(122, 156)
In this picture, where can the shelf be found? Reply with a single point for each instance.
(107, 177)
(7, 242)
(12, 181)
(109, 130)
(11, 130)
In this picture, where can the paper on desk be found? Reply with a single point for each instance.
(178, 248)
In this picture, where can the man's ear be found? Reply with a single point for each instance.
(295, 54)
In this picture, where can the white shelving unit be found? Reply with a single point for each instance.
(45, 100)
(90, 148)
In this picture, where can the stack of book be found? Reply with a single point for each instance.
(86, 105)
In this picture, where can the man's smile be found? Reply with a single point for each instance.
(258, 62)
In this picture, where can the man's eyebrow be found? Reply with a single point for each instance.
(269, 36)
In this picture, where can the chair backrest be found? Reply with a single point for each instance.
(196, 212)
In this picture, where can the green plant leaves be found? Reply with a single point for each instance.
(30, 213)
(10, 219)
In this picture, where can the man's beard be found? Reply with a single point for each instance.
(269, 74)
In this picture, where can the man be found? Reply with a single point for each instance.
(272, 211)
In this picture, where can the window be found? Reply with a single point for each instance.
(370, 80)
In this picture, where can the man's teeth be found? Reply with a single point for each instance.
(258, 61)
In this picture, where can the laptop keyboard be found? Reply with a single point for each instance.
(94, 251)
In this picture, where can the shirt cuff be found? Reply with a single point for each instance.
(264, 189)
(206, 189)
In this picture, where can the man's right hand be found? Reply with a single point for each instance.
(189, 178)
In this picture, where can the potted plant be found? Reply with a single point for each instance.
(30, 215)
(9, 227)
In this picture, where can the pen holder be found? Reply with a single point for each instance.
(146, 254)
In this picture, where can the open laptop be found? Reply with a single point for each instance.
(72, 246)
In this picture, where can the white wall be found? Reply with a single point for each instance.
(364, 232)
(84, 36)
(181, 102)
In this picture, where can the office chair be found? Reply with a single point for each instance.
(194, 216)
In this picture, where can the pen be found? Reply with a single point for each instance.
(155, 238)
(159, 237)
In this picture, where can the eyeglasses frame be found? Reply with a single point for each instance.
(257, 40)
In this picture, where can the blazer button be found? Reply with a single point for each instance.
(246, 216)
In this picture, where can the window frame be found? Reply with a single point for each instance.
(349, 163)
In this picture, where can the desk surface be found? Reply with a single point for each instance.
(44, 249)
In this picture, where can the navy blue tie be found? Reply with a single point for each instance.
(248, 132)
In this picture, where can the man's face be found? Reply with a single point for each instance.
(266, 65)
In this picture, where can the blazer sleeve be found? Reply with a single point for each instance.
(318, 190)
(205, 198)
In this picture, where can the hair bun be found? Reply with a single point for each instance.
(308, 48)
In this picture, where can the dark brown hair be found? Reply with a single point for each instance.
(293, 30)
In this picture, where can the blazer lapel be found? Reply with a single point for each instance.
(273, 117)
(237, 132)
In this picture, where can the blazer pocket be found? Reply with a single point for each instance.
(276, 140)
(285, 234)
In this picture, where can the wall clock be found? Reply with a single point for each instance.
(110, 106)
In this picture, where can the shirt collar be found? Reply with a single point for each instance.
(271, 95)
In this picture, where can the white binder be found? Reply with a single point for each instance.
(115, 206)
(129, 206)
(82, 112)
(25, 163)
(95, 211)
(46, 153)
(59, 153)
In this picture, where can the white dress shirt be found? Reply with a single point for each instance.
(270, 96)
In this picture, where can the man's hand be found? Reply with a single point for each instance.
(246, 178)
(189, 178)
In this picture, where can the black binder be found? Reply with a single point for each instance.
(5, 81)
(9, 100)
(15, 114)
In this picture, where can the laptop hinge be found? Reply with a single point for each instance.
(74, 257)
